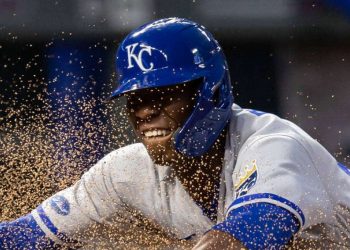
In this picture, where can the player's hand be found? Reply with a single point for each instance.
(217, 240)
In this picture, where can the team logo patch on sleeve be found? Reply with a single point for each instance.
(246, 180)
(60, 205)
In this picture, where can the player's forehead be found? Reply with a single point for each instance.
(178, 90)
(154, 92)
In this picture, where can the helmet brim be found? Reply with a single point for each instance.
(157, 79)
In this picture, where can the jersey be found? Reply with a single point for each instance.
(269, 163)
(271, 160)
(128, 192)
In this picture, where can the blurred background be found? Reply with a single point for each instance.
(289, 57)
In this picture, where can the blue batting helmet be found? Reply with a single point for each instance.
(172, 51)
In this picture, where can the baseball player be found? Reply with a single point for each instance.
(206, 171)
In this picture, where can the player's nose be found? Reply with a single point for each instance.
(146, 112)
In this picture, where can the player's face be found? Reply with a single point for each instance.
(156, 114)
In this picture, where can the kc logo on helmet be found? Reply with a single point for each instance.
(136, 57)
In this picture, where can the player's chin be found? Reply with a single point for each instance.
(161, 149)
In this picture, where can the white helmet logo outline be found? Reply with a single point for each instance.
(138, 57)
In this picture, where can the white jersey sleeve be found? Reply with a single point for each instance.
(84, 210)
(278, 169)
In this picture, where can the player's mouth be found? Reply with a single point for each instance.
(155, 133)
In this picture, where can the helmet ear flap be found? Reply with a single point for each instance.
(226, 91)
(208, 119)
(216, 97)
(223, 93)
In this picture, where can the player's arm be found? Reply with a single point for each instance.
(73, 214)
(36, 230)
(24, 233)
(275, 195)
(254, 226)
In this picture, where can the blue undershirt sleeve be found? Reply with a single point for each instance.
(260, 225)
(24, 233)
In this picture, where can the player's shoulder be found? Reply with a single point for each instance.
(272, 136)
(253, 125)
(131, 152)
(128, 162)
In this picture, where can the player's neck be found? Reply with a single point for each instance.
(201, 176)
